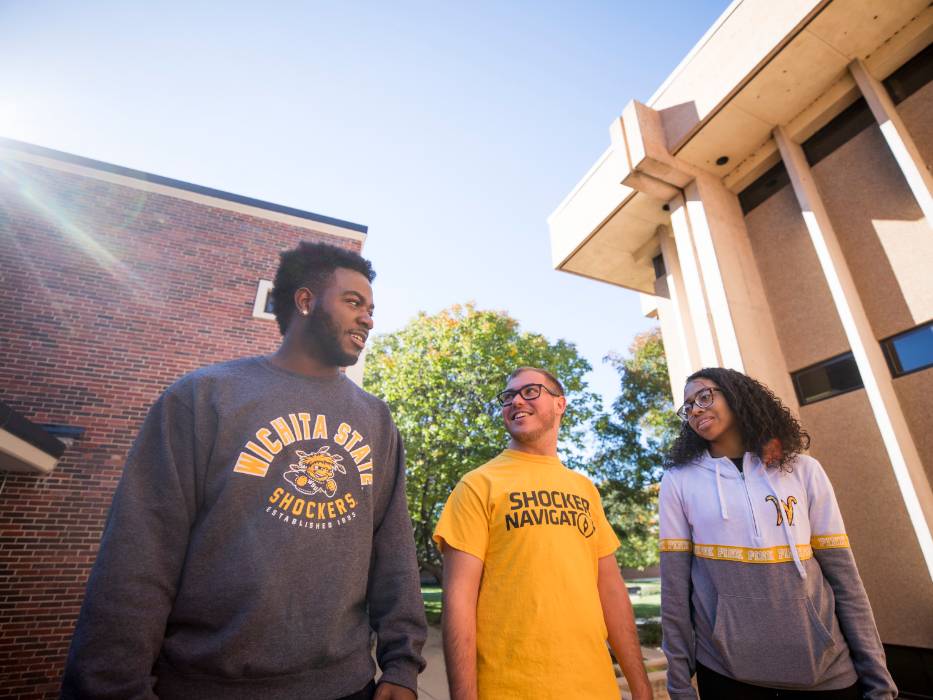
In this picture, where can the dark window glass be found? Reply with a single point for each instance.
(772, 181)
(847, 125)
(910, 351)
(828, 378)
(910, 77)
(659, 269)
(269, 308)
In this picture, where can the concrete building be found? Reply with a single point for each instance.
(772, 204)
(113, 283)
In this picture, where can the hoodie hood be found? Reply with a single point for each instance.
(723, 468)
(727, 469)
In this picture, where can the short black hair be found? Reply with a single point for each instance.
(761, 417)
(310, 265)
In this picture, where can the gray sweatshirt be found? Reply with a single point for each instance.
(758, 582)
(259, 533)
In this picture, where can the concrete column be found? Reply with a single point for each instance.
(902, 451)
(695, 308)
(720, 313)
(680, 345)
(899, 140)
(744, 326)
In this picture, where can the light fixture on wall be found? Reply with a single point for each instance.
(30, 448)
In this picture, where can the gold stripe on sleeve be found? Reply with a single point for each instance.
(676, 545)
(840, 541)
(750, 555)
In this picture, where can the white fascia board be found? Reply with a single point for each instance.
(589, 205)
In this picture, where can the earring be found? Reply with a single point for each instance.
(304, 312)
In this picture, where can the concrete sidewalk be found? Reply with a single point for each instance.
(432, 683)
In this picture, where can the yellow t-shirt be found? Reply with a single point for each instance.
(540, 530)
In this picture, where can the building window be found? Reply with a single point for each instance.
(911, 351)
(659, 268)
(823, 380)
(262, 306)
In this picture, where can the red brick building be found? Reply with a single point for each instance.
(113, 283)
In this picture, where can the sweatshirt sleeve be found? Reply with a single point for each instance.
(133, 582)
(676, 561)
(396, 609)
(831, 549)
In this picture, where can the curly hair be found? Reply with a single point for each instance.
(761, 417)
(310, 265)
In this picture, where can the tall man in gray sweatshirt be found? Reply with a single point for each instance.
(260, 531)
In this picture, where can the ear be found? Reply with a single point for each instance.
(561, 405)
(304, 301)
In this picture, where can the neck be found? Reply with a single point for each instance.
(727, 446)
(297, 357)
(544, 447)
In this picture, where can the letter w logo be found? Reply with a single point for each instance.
(788, 508)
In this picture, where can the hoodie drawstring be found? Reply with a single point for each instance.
(791, 542)
(723, 511)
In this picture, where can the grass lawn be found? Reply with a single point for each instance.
(647, 602)
(432, 603)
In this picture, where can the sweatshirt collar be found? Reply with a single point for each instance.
(543, 460)
(338, 378)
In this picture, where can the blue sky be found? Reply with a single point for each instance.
(452, 130)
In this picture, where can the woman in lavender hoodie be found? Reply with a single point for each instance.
(761, 597)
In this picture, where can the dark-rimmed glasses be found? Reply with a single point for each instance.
(529, 392)
(702, 399)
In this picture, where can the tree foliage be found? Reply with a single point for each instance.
(439, 375)
(630, 447)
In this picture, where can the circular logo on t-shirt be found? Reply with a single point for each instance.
(585, 525)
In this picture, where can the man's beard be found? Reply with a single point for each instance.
(529, 437)
(323, 334)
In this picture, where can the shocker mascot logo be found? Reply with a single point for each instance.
(788, 508)
(315, 471)
(314, 475)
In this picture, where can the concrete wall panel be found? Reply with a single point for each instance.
(807, 324)
(915, 394)
(848, 444)
(886, 241)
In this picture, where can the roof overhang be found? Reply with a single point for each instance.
(12, 151)
(760, 66)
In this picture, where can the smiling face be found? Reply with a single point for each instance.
(337, 328)
(534, 424)
(716, 423)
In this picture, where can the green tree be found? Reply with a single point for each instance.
(439, 375)
(630, 446)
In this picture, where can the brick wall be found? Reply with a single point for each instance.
(107, 294)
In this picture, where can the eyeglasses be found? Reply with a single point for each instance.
(529, 392)
(702, 399)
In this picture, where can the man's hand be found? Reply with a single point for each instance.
(390, 691)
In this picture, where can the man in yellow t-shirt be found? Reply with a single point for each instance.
(531, 587)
